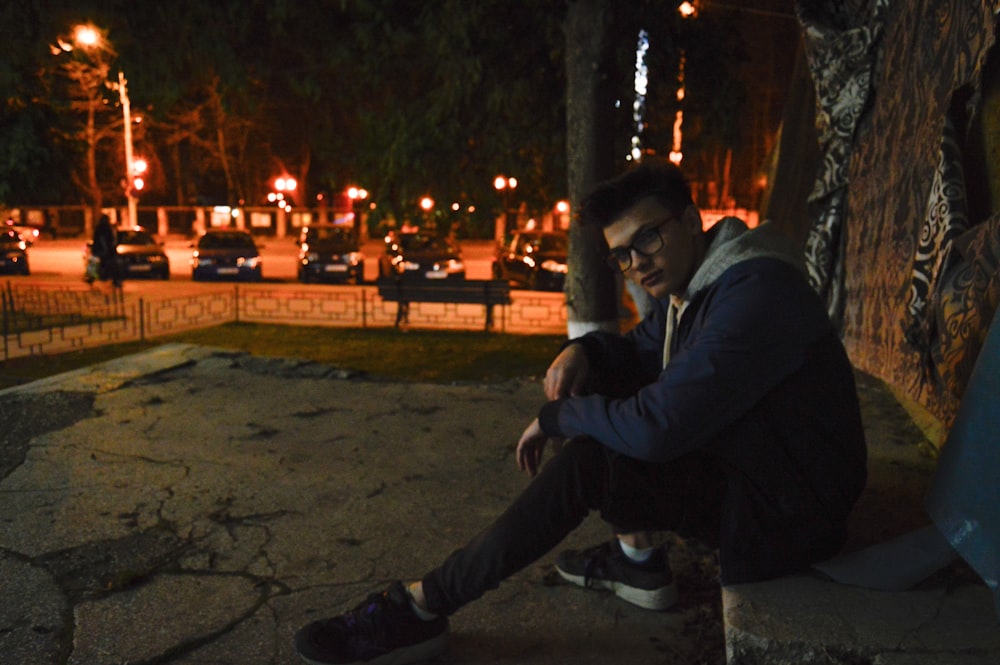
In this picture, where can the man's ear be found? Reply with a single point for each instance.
(691, 218)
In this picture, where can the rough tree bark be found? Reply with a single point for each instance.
(591, 289)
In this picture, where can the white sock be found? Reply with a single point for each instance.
(419, 611)
(638, 555)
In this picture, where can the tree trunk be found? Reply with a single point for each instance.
(591, 287)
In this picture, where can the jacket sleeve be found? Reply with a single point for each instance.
(746, 333)
(621, 364)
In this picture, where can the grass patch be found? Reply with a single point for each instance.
(412, 355)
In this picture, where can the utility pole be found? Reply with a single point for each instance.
(129, 159)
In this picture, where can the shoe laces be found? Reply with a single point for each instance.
(595, 561)
(368, 623)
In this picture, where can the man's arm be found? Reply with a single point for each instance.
(750, 332)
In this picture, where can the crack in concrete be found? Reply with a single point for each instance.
(62, 410)
(102, 569)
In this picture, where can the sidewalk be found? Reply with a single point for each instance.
(189, 505)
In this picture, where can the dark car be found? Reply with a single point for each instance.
(29, 234)
(533, 259)
(140, 255)
(330, 253)
(421, 255)
(228, 254)
(13, 253)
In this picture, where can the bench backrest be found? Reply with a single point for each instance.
(478, 291)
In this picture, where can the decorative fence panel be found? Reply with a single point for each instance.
(47, 318)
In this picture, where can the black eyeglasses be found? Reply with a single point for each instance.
(646, 242)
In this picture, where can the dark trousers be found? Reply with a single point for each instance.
(684, 496)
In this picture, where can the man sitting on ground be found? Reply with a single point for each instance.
(729, 414)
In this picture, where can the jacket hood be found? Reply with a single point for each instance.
(731, 242)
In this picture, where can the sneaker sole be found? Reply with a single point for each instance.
(658, 600)
(417, 653)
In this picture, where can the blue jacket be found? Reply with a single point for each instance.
(758, 380)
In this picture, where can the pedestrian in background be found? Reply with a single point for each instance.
(104, 248)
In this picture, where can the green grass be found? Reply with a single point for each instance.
(418, 356)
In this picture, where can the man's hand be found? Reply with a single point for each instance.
(531, 447)
(567, 374)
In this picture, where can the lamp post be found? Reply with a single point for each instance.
(427, 205)
(130, 164)
(283, 184)
(686, 10)
(562, 210)
(99, 50)
(506, 186)
(357, 195)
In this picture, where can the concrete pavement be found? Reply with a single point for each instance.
(191, 506)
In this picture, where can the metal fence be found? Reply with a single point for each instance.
(41, 318)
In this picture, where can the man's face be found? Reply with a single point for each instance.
(666, 269)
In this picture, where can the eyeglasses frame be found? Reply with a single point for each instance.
(615, 264)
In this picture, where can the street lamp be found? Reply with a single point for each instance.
(90, 40)
(130, 164)
(139, 167)
(357, 195)
(687, 10)
(283, 185)
(506, 186)
(562, 210)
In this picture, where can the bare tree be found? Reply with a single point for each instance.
(94, 121)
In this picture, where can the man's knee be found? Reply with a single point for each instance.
(583, 451)
(583, 463)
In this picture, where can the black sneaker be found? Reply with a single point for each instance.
(649, 585)
(383, 630)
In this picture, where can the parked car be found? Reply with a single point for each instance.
(227, 254)
(13, 253)
(29, 234)
(421, 255)
(329, 253)
(534, 260)
(141, 255)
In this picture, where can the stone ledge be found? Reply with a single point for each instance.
(801, 620)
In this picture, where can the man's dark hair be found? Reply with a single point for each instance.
(659, 179)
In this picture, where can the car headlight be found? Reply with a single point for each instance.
(203, 262)
(248, 262)
(354, 258)
(311, 256)
(455, 265)
(554, 266)
(411, 265)
(156, 258)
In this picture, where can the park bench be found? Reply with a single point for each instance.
(486, 292)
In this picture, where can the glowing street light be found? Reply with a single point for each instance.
(86, 36)
(687, 10)
(285, 184)
(506, 185)
(89, 38)
(356, 195)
